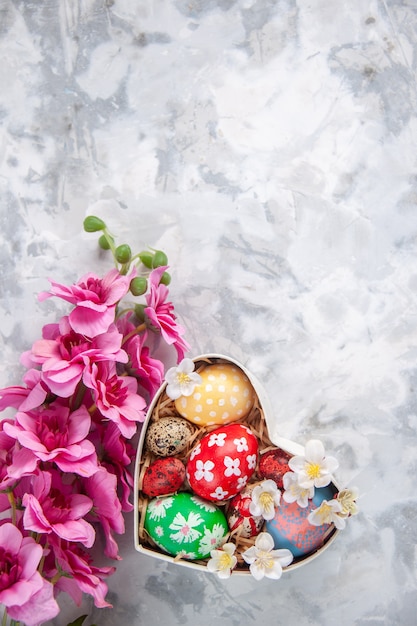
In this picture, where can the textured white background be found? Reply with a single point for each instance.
(269, 147)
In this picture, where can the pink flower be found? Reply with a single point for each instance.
(102, 489)
(118, 455)
(53, 508)
(40, 608)
(161, 313)
(7, 450)
(148, 371)
(116, 397)
(15, 462)
(82, 576)
(55, 434)
(25, 398)
(65, 357)
(95, 300)
(19, 560)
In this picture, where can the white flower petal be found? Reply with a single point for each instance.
(186, 366)
(254, 509)
(322, 481)
(296, 463)
(258, 572)
(339, 522)
(229, 548)
(285, 556)
(173, 391)
(314, 451)
(249, 555)
(264, 542)
(275, 571)
(269, 485)
(331, 464)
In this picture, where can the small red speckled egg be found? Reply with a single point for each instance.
(163, 476)
(239, 517)
(222, 463)
(274, 464)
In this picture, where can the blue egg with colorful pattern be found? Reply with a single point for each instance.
(291, 529)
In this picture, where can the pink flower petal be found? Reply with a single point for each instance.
(76, 530)
(40, 608)
(30, 556)
(33, 516)
(10, 538)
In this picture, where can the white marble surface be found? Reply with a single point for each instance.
(269, 147)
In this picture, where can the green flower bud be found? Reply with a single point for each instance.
(146, 258)
(138, 286)
(140, 312)
(104, 243)
(165, 278)
(92, 224)
(123, 253)
(159, 258)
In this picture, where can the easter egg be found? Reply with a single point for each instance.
(273, 465)
(164, 475)
(224, 395)
(168, 436)
(185, 524)
(291, 529)
(222, 463)
(239, 517)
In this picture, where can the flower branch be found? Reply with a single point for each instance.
(65, 457)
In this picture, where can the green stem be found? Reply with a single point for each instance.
(78, 396)
(134, 332)
(124, 268)
(4, 620)
(110, 241)
(122, 312)
(12, 502)
(55, 578)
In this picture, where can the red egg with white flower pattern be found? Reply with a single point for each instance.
(239, 516)
(222, 463)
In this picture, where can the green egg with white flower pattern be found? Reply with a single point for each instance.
(186, 524)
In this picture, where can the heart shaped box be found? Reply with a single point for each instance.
(143, 543)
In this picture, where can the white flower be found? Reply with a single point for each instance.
(241, 482)
(327, 513)
(263, 560)
(265, 497)
(182, 379)
(219, 494)
(204, 470)
(232, 466)
(203, 504)
(223, 561)
(294, 492)
(313, 469)
(195, 451)
(241, 444)
(347, 499)
(212, 539)
(251, 459)
(157, 508)
(185, 528)
(217, 439)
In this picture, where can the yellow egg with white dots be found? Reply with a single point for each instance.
(224, 395)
